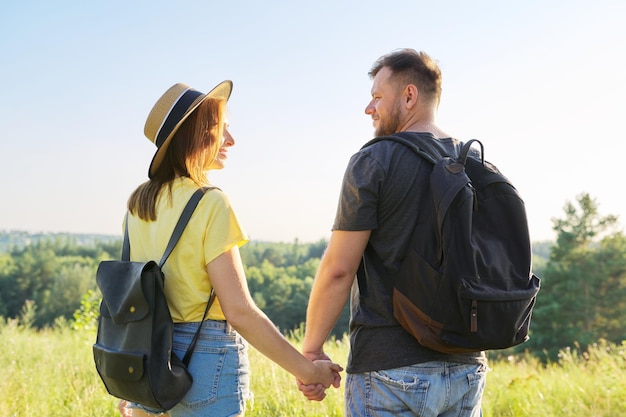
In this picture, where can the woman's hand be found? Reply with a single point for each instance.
(328, 373)
(317, 392)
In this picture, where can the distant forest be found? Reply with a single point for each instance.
(49, 277)
(52, 274)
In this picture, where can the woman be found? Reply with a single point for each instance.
(191, 137)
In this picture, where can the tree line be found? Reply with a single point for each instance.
(582, 299)
(51, 277)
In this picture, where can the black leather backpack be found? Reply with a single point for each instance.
(133, 349)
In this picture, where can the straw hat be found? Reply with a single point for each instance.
(171, 110)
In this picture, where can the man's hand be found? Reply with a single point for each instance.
(317, 392)
(313, 392)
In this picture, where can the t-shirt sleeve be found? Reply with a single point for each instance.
(223, 230)
(358, 199)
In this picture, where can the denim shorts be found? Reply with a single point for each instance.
(428, 389)
(220, 370)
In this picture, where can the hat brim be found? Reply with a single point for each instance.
(222, 90)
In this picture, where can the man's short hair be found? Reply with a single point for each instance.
(411, 67)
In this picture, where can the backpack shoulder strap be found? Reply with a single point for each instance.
(178, 229)
(465, 151)
(176, 234)
(430, 152)
(420, 146)
(126, 242)
(182, 222)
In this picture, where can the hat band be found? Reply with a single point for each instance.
(176, 114)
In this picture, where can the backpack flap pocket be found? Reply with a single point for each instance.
(470, 290)
(497, 319)
(121, 366)
(122, 289)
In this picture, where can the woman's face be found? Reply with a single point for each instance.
(222, 154)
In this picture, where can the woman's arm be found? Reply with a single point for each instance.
(228, 279)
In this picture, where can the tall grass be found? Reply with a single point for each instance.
(50, 373)
(591, 383)
(275, 391)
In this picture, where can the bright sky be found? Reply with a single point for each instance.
(541, 83)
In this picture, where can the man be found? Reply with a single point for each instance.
(388, 373)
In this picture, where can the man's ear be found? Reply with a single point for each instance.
(410, 96)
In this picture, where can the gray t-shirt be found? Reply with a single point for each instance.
(382, 189)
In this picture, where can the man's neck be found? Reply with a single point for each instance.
(426, 125)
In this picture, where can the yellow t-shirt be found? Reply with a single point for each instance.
(212, 230)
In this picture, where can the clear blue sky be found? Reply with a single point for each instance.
(541, 83)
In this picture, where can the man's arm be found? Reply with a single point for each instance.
(330, 291)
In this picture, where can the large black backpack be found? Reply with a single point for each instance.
(468, 286)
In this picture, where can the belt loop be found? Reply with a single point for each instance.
(229, 328)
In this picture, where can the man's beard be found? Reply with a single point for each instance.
(390, 124)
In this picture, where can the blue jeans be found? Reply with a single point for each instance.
(431, 389)
(220, 370)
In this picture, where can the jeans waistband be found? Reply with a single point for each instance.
(207, 324)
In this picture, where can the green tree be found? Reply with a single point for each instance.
(31, 271)
(7, 270)
(316, 250)
(86, 316)
(63, 295)
(583, 295)
(54, 273)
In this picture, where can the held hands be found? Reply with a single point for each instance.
(327, 369)
(329, 373)
(122, 406)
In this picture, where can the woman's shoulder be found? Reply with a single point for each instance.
(215, 195)
(184, 187)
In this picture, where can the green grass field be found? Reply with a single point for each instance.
(50, 373)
